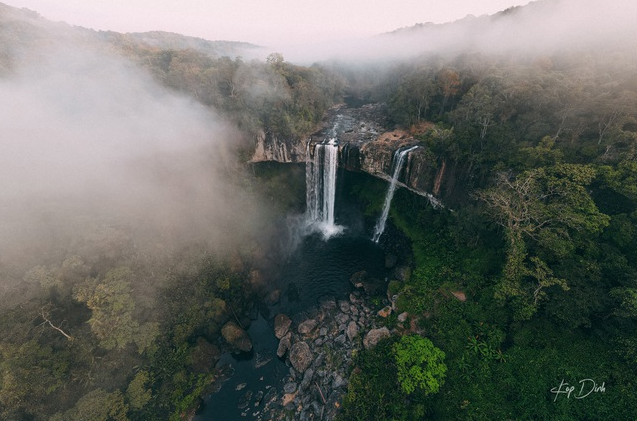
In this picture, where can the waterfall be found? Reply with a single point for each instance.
(397, 164)
(320, 183)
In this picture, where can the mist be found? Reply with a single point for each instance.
(541, 27)
(89, 140)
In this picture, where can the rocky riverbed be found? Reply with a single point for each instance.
(318, 346)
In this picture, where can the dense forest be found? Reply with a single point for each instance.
(107, 322)
(542, 244)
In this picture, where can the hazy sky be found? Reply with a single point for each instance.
(264, 22)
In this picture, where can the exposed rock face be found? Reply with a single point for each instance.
(366, 144)
(271, 148)
(236, 337)
(374, 336)
(281, 325)
(300, 356)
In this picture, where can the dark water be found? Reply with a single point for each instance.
(256, 374)
(320, 269)
(317, 269)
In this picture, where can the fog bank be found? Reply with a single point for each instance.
(88, 140)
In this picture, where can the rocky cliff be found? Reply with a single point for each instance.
(366, 144)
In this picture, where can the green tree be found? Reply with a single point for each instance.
(97, 405)
(420, 364)
(545, 211)
(137, 394)
(112, 306)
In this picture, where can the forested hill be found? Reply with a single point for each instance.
(271, 96)
(111, 305)
(540, 27)
(26, 27)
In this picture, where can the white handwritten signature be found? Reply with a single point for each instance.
(588, 386)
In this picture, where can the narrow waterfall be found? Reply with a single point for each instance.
(320, 182)
(397, 164)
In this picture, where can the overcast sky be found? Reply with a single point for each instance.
(265, 22)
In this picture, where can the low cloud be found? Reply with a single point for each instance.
(89, 139)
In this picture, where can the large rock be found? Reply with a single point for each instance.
(301, 356)
(307, 326)
(236, 337)
(344, 306)
(459, 295)
(374, 336)
(284, 345)
(307, 378)
(374, 286)
(204, 356)
(358, 278)
(384, 312)
(281, 325)
(352, 330)
(273, 297)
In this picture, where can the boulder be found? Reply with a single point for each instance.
(273, 297)
(385, 312)
(403, 273)
(402, 317)
(281, 325)
(374, 286)
(328, 304)
(344, 306)
(352, 330)
(374, 336)
(236, 337)
(307, 326)
(341, 318)
(204, 356)
(459, 295)
(358, 278)
(307, 378)
(288, 399)
(301, 356)
(338, 382)
(289, 387)
(284, 345)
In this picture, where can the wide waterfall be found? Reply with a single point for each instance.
(320, 180)
(397, 163)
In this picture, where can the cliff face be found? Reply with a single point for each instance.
(365, 144)
(271, 148)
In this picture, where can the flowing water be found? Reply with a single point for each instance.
(320, 179)
(398, 161)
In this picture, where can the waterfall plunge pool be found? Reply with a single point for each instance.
(317, 269)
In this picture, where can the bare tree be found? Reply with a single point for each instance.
(45, 313)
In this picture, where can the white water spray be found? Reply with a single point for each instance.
(320, 182)
(398, 161)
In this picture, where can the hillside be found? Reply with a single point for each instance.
(139, 235)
